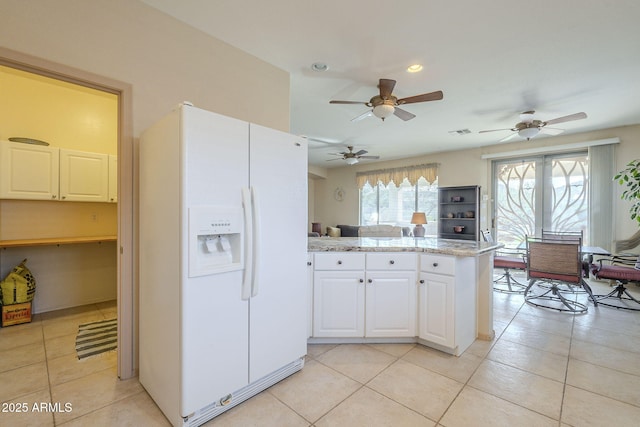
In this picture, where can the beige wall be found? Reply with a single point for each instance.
(468, 168)
(165, 61)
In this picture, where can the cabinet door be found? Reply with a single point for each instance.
(436, 322)
(84, 177)
(338, 304)
(28, 171)
(113, 178)
(391, 304)
(309, 294)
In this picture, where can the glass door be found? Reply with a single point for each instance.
(546, 192)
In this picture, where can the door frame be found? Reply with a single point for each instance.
(126, 293)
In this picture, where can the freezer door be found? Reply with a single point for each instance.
(278, 177)
(214, 349)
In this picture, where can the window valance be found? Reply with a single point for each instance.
(397, 175)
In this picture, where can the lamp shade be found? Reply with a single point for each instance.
(419, 218)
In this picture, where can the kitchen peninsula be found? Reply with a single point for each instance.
(437, 292)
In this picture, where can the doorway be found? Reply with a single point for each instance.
(547, 192)
(127, 347)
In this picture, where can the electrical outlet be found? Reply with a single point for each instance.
(94, 217)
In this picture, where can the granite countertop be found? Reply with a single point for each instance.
(405, 244)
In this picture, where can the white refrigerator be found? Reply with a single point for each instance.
(223, 226)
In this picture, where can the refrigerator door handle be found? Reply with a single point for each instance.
(256, 241)
(248, 243)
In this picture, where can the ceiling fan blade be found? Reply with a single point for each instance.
(433, 96)
(362, 116)
(386, 88)
(494, 130)
(513, 135)
(348, 102)
(368, 157)
(576, 116)
(403, 114)
(337, 158)
(551, 131)
(361, 152)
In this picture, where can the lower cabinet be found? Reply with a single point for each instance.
(430, 299)
(375, 301)
(338, 304)
(436, 308)
(447, 300)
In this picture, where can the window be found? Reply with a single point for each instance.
(395, 204)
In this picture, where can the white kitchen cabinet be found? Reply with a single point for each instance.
(84, 176)
(447, 301)
(390, 304)
(338, 295)
(354, 298)
(28, 171)
(391, 294)
(309, 294)
(338, 307)
(113, 178)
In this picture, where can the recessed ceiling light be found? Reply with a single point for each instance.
(414, 68)
(319, 67)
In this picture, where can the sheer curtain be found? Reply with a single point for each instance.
(601, 196)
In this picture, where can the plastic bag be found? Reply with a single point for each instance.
(19, 286)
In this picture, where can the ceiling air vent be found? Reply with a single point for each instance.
(459, 132)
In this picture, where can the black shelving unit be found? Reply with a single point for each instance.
(459, 206)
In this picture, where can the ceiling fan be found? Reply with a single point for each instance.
(386, 104)
(528, 127)
(352, 158)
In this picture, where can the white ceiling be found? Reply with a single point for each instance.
(492, 59)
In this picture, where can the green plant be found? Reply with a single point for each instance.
(630, 178)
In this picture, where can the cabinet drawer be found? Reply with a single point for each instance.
(340, 261)
(391, 261)
(441, 264)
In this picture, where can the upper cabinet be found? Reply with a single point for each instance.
(28, 171)
(84, 177)
(37, 172)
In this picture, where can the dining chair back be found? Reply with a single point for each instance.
(555, 262)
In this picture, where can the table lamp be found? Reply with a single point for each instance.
(418, 218)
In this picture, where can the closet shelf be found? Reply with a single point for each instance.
(56, 241)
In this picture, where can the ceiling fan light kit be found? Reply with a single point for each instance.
(528, 132)
(528, 127)
(386, 104)
(383, 111)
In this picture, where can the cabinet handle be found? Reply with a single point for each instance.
(392, 262)
(308, 262)
(339, 262)
(370, 280)
(361, 280)
(421, 280)
(53, 196)
(435, 264)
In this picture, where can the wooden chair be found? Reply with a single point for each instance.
(555, 262)
(507, 259)
(623, 269)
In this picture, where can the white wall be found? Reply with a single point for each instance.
(468, 168)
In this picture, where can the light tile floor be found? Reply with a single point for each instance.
(543, 369)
